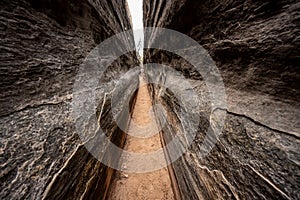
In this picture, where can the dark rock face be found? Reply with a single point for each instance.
(255, 47)
(42, 45)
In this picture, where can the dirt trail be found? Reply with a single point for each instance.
(141, 186)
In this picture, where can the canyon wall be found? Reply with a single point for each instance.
(255, 46)
(43, 43)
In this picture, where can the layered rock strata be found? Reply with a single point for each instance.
(43, 43)
(254, 45)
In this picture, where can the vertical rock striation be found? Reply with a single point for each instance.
(255, 47)
(43, 42)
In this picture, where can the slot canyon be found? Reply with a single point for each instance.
(53, 100)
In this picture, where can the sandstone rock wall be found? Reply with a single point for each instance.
(43, 42)
(254, 45)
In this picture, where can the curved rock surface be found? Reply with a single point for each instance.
(255, 47)
(43, 42)
(43, 143)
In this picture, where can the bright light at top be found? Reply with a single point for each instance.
(136, 12)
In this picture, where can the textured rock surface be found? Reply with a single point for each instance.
(254, 45)
(42, 45)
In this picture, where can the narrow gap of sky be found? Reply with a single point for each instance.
(136, 12)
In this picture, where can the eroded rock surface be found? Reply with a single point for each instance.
(42, 46)
(254, 45)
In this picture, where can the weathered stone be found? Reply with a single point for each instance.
(254, 45)
(42, 45)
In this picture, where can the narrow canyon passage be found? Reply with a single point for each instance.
(68, 72)
(150, 185)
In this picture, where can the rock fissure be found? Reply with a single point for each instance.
(44, 154)
(263, 125)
